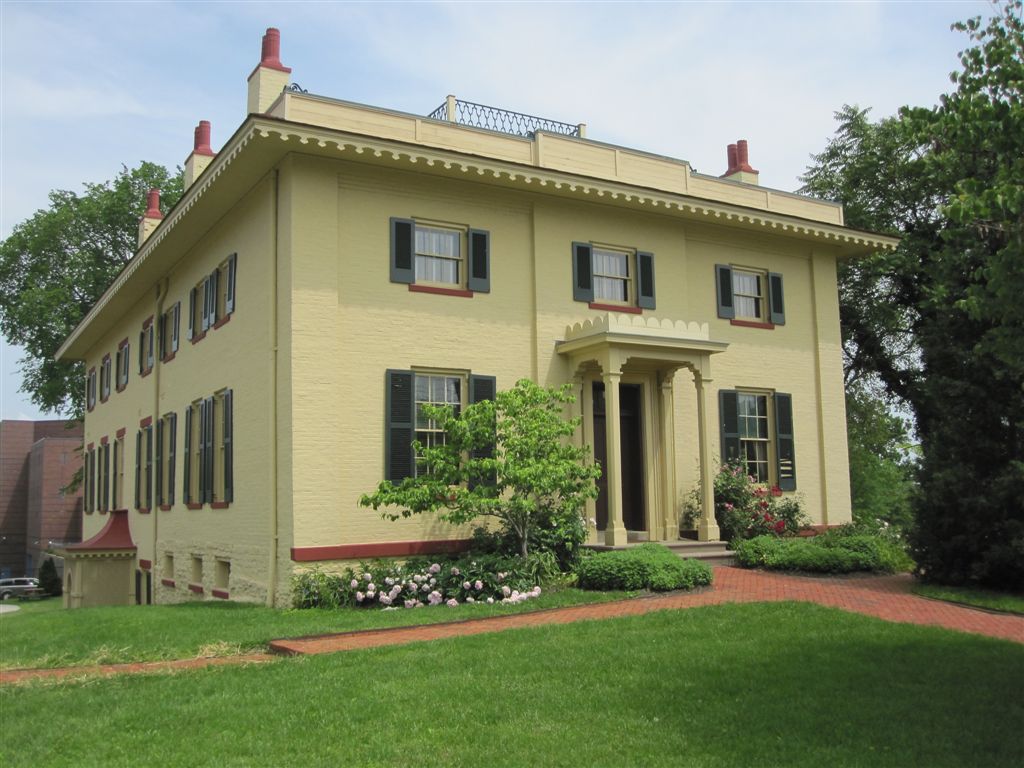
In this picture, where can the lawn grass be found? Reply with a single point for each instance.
(46, 605)
(41, 637)
(982, 598)
(780, 684)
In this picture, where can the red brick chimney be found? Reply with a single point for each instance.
(201, 156)
(152, 217)
(270, 77)
(739, 164)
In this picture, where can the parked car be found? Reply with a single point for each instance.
(13, 587)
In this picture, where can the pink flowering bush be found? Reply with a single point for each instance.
(417, 583)
(745, 508)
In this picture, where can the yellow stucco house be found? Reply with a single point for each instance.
(258, 363)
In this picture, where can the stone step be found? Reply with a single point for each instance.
(710, 552)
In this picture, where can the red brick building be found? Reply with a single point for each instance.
(37, 460)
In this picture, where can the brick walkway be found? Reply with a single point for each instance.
(887, 597)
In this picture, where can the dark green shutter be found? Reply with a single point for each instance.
(113, 477)
(142, 351)
(479, 261)
(214, 295)
(398, 435)
(150, 347)
(106, 476)
(645, 274)
(229, 300)
(206, 303)
(582, 273)
(210, 447)
(172, 450)
(160, 458)
(191, 312)
(776, 304)
(483, 388)
(728, 410)
(85, 481)
(201, 496)
(723, 284)
(149, 467)
(187, 464)
(138, 469)
(785, 448)
(175, 323)
(229, 478)
(403, 242)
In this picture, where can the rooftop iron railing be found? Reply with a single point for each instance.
(494, 119)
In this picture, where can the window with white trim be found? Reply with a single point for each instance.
(757, 431)
(122, 365)
(438, 390)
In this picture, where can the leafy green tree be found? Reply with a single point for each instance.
(533, 476)
(950, 342)
(48, 578)
(882, 460)
(55, 266)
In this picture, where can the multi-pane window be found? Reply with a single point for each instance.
(90, 389)
(612, 275)
(438, 255)
(753, 430)
(212, 301)
(170, 321)
(122, 365)
(166, 447)
(144, 468)
(209, 476)
(147, 348)
(435, 389)
(748, 294)
(106, 369)
(117, 482)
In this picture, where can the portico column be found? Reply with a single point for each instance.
(615, 530)
(669, 504)
(707, 528)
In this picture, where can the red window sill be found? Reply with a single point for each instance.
(168, 358)
(197, 588)
(221, 593)
(196, 339)
(90, 408)
(222, 321)
(165, 507)
(104, 399)
(167, 582)
(441, 291)
(143, 510)
(752, 324)
(121, 387)
(219, 504)
(616, 308)
(88, 511)
(192, 505)
(145, 372)
(102, 511)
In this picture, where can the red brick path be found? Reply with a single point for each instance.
(887, 597)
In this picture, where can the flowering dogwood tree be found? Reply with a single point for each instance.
(510, 458)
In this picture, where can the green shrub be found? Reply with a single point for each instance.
(649, 566)
(833, 552)
(316, 589)
(48, 578)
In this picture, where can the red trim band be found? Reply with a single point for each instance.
(442, 291)
(616, 308)
(222, 321)
(145, 564)
(146, 422)
(219, 504)
(167, 582)
(752, 324)
(197, 588)
(120, 433)
(221, 593)
(384, 549)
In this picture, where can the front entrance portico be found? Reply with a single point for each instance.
(643, 355)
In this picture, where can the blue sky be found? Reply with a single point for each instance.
(86, 87)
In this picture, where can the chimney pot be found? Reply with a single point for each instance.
(731, 153)
(153, 205)
(743, 159)
(201, 145)
(272, 49)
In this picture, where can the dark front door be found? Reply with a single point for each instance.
(631, 442)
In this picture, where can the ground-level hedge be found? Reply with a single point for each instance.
(649, 566)
(828, 553)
